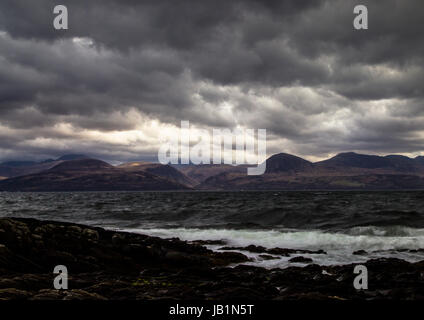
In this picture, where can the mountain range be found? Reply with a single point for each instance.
(345, 171)
(84, 174)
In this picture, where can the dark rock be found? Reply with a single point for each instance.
(281, 251)
(421, 250)
(360, 252)
(78, 294)
(231, 257)
(267, 257)
(48, 294)
(276, 251)
(13, 294)
(209, 242)
(301, 259)
(116, 265)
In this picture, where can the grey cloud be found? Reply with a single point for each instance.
(184, 60)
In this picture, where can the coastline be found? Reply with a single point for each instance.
(110, 265)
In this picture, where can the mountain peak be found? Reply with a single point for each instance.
(357, 160)
(81, 164)
(68, 157)
(346, 154)
(284, 162)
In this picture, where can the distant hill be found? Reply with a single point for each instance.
(164, 171)
(345, 171)
(82, 165)
(89, 175)
(68, 157)
(420, 160)
(299, 182)
(388, 164)
(17, 164)
(199, 173)
(20, 168)
(352, 159)
(283, 162)
(405, 164)
(47, 161)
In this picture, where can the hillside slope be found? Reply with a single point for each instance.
(89, 175)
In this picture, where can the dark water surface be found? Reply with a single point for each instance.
(382, 223)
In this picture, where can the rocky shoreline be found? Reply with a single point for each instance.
(109, 265)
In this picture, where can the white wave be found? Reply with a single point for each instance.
(388, 231)
(339, 246)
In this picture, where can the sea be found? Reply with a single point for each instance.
(383, 224)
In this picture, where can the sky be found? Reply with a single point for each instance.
(127, 71)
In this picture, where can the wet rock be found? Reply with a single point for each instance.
(281, 251)
(78, 294)
(359, 252)
(208, 242)
(285, 252)
(176, 257)
(288, 252)
(118, 239)
(116, 265)
(226, 258)
(48, 294)
(14, 294)
(93, 235)
(267, 257)
(301, 259)
(421, 250)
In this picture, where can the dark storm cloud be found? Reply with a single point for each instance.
(63, 79)
(295, 67)
(219, 40)
(276, 42)
(129, 23)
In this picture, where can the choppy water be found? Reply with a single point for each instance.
(382, 223)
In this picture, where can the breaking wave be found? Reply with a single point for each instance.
(397, 242)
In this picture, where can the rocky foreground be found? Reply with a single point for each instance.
(115, 265)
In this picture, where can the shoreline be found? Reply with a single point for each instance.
(113, 265)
